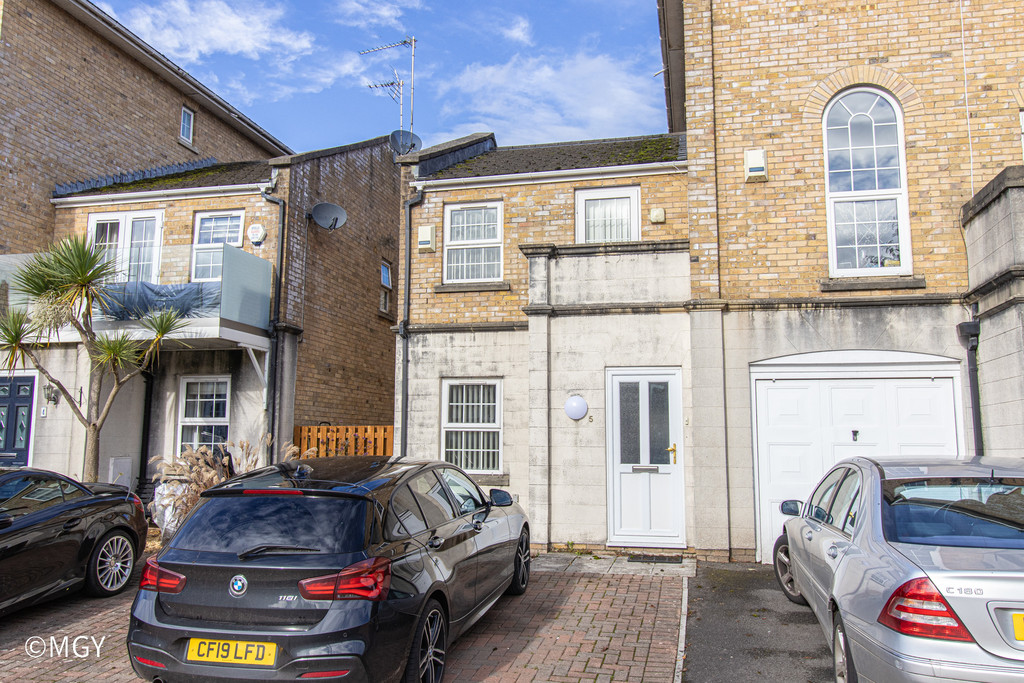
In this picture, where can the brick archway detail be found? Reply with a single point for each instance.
(901, 88)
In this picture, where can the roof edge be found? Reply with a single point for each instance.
(330, 151)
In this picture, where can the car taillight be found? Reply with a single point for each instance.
(366, 580)
(156, 578)
(137, 502)
(918, 609)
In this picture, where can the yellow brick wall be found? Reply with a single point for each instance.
(543, 213)
(179, 227)
(775, 66)
(74, 107)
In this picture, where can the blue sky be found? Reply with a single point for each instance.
(529, 71)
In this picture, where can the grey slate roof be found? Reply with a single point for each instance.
(565, 156)
(215, 175)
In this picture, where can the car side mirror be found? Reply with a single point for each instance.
(791, 507)
(500, 498)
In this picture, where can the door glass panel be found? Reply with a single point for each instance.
(660, 436)
(5, 391)
(3, 426)
(432, 499)
(629, 423)
(21, 428)
(822, 496)
(25, 390)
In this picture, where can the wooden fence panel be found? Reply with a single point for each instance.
(346, 440)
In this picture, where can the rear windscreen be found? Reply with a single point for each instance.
(239, 523)
(963, 512)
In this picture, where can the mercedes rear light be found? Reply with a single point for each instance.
(365, 580)
(137, 502)
(156, 578)
(918, 609)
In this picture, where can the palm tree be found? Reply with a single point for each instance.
(64, 286)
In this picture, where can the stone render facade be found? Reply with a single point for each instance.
(994, 226)
(75, 106)
(755, 255)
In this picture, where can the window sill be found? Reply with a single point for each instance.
(490, 480)
(855, 284)
(386, 316)
(187, 145)
(503, 286)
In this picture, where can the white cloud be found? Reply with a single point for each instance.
(518, 30)
(189, 30)
(370, 13)
(547, 99)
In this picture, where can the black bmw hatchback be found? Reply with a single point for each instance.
(350, 569)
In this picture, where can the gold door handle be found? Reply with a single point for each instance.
(672, 450)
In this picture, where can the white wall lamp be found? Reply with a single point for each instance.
(576, 407)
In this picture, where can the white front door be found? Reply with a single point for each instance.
(804, 426)
(645, 458)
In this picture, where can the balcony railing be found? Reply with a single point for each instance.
(235, 308)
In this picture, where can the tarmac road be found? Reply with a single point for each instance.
(740, 627)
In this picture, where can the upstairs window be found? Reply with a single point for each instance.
(188, 118)
(131, 240)
(472, 242)
(608, 214)
(866, 195)
(385, 287)
(213, 231)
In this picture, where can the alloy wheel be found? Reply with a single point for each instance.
(432, 647)
(115, 563)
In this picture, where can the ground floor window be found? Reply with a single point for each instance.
(203, 412)
(471, 424)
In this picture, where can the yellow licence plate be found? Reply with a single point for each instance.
(1018, 626)
(231, 652)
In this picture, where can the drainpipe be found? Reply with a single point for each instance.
(403, 325)
(147, 413)
(971, 331)
(275, 319)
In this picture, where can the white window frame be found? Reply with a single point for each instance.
(900, 195)
(123, 255)
(198, 249)
(495, 427)
(452, 245)
(201, 421)
(187, 115)
(630, 193)
(386, 286)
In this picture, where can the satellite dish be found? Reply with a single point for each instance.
(405, 141)
(328, 216)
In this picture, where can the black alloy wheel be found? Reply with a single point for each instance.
(521, 565)
(427, 657)
(784, 571)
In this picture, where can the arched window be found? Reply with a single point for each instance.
(868, 218)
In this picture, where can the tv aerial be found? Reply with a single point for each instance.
(402, 141)
(328, 216)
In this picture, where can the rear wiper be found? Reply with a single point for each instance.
(273, 549)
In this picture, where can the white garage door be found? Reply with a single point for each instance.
(805, 425)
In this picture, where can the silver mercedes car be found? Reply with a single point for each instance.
(914, 569)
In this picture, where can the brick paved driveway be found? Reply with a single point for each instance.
(575, 623)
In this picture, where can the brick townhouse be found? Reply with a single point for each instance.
(789, 291)
(289, 325)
